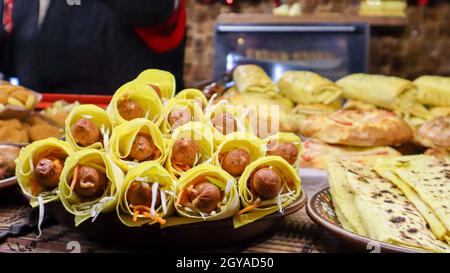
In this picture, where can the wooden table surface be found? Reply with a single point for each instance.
(296, 234)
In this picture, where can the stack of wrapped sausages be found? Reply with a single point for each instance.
(155, 158)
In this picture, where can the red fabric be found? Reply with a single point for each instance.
(167, 36)
(7, 16)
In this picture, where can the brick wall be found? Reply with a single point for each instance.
(421, 47)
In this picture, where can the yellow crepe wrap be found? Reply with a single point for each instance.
(389, 92)
(433, 90)
(215, 175)
(240, 140)
(305, 87)
(141, 93)
(290, 191)
(252, 78)
(193, 94)
(123, 137)
(26, 162)
(283, 137)
(147, 172)
(83, 209)
(239, 115)
(317, 108)
(163, 80)
(195, 110)
(95, 114)
(197, 131)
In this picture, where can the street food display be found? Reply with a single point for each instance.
(155, 158)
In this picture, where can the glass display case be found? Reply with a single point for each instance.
(332, 50)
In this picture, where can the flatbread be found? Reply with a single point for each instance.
(385, 212)
(385, 167)
(430, 178)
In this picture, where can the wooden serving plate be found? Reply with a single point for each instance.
(108, 229)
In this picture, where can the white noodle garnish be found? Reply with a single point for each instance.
(197, 159)
(208, 161)
(41, 215)
(105, 134)
(202, 215)
(210, 103)
(147, 114)
(170, 193)
(279, 204)
(230, 184)
(163, 201)
(154, 192)
(142, 179)
(97, 208)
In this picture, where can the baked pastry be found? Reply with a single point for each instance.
(316, 153)
(358, 128)
(435, 133)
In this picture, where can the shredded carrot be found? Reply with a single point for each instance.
(146, 213)
(156, 218)
(181, 197)
(135, 214)
(74, 178)
(141, 207)
(251, 207)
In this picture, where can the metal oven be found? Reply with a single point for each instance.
(332, 50)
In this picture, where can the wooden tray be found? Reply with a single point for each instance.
(109, 230)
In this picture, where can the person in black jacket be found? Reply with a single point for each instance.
(90, 46)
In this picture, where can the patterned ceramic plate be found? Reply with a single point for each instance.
(320, 209)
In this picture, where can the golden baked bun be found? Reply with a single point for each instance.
(435, 133)
(358, 128)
